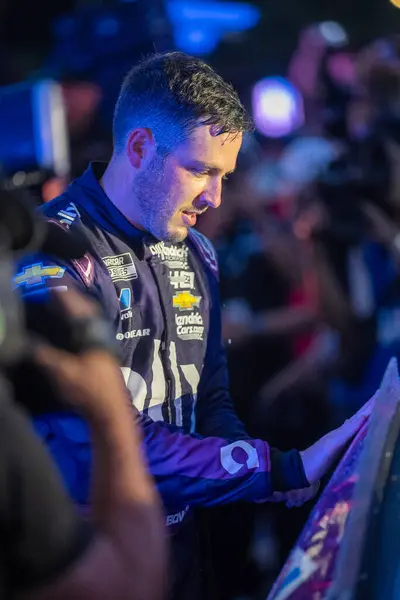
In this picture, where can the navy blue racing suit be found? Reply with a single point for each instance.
(163, 301)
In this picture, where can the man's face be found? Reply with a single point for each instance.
(172, 191)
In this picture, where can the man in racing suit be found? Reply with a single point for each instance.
(157, 280)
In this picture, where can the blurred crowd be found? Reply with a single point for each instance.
(307, 238)
(308, 243)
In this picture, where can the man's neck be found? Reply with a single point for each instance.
(120, 191)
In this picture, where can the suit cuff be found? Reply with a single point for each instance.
(287, 471)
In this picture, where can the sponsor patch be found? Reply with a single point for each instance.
(185, 301)
(125, 303)
(176, 518)
(189, 327)
(182, 280)
(243, 451)
(134, 333)
(68, 215)
(175, 257)
(121, 267)
(37, 274)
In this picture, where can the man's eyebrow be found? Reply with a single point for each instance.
(211, 168)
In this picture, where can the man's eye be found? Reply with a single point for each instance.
(199, 173)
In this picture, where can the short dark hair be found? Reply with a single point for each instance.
(172, 93)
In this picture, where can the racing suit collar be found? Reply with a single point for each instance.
(96, 203)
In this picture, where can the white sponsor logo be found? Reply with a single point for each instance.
(175, 257)
(233, 466)
(189, 327)
(133, 334)
(68, 215)
(121, 267)
(150, 396)
(176, 518)
(125, 303)
(182, 280)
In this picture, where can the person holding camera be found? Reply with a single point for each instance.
(48, 550)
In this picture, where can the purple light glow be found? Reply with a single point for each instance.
(277, 107)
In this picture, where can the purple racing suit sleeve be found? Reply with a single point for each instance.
(189, 470)
(193, 470)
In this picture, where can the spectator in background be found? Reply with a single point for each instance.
(352, 220)
(261, 278)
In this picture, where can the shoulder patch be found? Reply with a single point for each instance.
(68, 215)
(84, 265)
(36, 274)
(206, 250)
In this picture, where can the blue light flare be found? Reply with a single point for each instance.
(200, 25)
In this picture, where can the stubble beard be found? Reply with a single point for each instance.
(154, 205)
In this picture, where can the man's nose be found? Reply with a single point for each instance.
(212, 196)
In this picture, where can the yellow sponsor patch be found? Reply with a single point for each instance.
(185, 301)
(37, 274)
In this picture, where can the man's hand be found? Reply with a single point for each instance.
(318, 458)
(296, 497)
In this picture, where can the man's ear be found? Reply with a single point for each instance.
(141, 147)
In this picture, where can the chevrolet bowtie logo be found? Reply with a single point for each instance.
(185, 301)
(37, 274)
